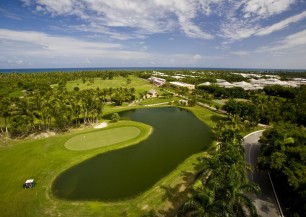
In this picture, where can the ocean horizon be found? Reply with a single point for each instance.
(31, 70)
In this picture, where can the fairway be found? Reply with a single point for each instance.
(139, 84)
(102, 138)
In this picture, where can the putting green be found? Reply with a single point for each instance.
(102, 138)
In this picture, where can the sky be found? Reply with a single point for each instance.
(153, 33)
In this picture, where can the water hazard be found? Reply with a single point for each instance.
(127, 172)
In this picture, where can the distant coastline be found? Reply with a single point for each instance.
(31, 70)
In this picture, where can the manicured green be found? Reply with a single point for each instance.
(102, 138)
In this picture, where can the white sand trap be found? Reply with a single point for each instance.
(102, 125)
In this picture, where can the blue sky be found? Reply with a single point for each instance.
(153, 33)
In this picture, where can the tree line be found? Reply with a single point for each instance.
(12, 82)
(58, 109)
(268, 109)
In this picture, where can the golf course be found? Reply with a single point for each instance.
(99, 139)
(47, 159)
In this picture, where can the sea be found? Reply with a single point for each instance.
(32, 70)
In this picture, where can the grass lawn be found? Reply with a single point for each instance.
(45, 159)
(102, 138)
(139, 84)
(207, 116)
(156, 100)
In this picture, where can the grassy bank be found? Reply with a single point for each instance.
(44, 159)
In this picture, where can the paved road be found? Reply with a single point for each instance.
(265, 202)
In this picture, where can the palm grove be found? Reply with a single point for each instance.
(47, 105)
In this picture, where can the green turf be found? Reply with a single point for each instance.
(45, 159)
(139, 84)
(102, 138)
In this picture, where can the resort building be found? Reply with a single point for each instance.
(207, 83)
(157, 81)
(244, 85)
(224, 84)
(152, 93)
(177, 77)
(183, 102)
(180, 84)
(155, 73)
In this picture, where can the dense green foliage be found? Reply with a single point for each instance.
(55, 109)
(284, 155)
(242, 110)
(281, 91)
(212, 196)
(224, 93)
(44, 103)
(271, 109)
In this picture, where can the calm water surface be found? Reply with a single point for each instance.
(130, 171)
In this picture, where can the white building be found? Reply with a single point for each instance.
(207, 83)
(225, 84)
(181, 84)
(243, 84)
(152, 93)
(157, 81)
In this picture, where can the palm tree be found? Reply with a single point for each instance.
(5, 111)
(222, 184)
(220, 189)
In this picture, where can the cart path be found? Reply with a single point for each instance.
(265, 202)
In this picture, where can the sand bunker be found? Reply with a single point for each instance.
(102, 125)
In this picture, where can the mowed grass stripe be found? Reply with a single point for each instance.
(102, 138)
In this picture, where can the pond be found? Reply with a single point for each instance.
(128, 172)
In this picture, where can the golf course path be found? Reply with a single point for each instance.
(265, 202)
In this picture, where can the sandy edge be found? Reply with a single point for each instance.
(102, 125)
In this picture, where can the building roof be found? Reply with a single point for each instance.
(152, 91)
(207, 83)
(242, 84)
(182, 84)
(225, 84)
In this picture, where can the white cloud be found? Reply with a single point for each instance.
(282, 24)
(246, 18)
(10, 15)
(43, 48)
(50, 42)
(197, 57)
(140, 17)
(296, 42)
(56, 7)
(266, 8)
(30, 48)
(124, 20)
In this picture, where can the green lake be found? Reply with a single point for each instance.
(126, 173)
